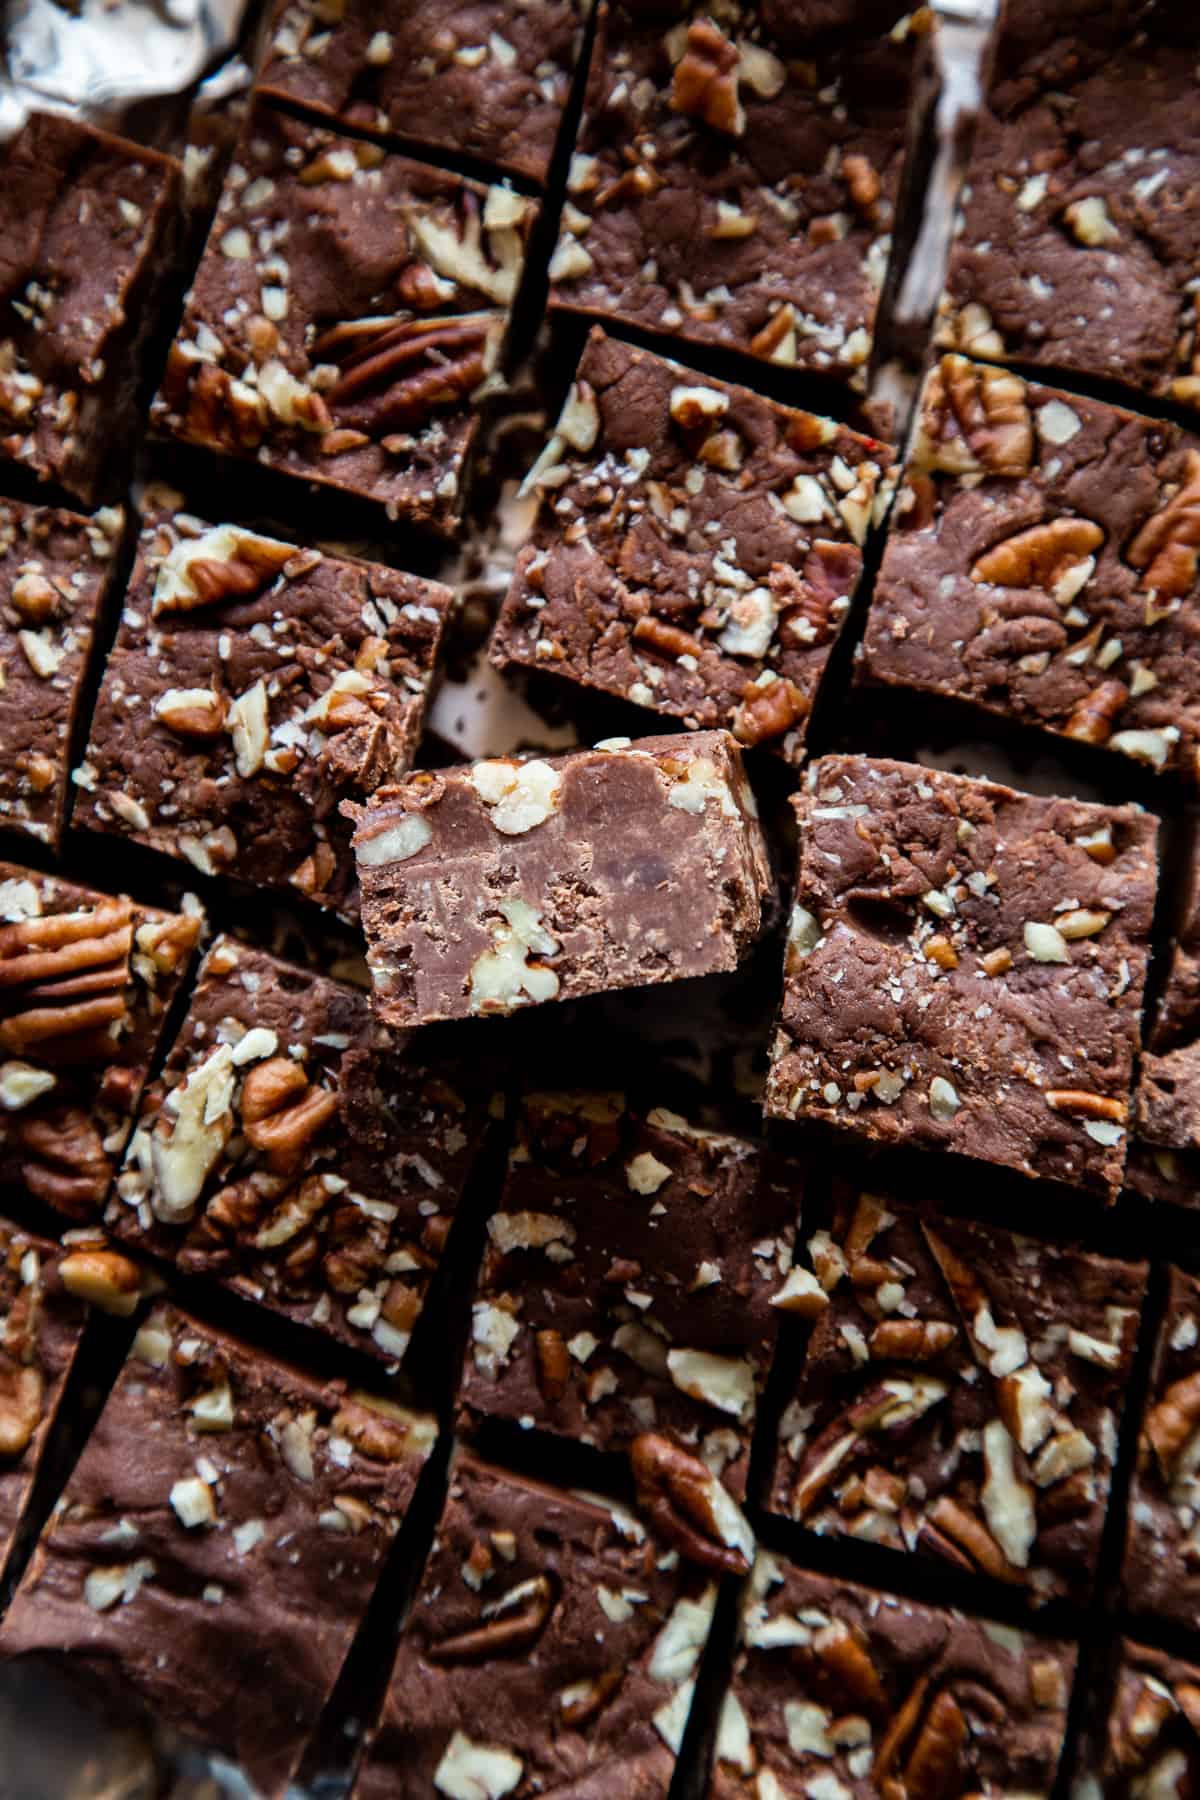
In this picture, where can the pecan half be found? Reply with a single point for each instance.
(22, 1393)
(397, 372)
(1172, 1420)
(684, 1499)
(65, 1162)
(64, 980)
(1165, 550)
(517, 1621)
(1056, 556)
(974, 420)
(282, 1111)
(705, 83)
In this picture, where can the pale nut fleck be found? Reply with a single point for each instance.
(724, 1382)
(1045, 943)
(192, 1503)
(520, 796)
(646, 1174)
(105, 1278)
(943, 1100)
(21, 1084)
(1090, 221)
(474, 1771)
(395, 843)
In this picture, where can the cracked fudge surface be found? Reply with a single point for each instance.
(348, 305)
(1161, 1574)
(839, 1690)
(1076, 247)
(485, 77)
(1147, 1743)
(55, 569)
(1042, 564)
(509, 883)
(550, 1648)
(960, 1394)
(40, 1327)
(300, 1152)
(86, 981)
(697, 546)
(735, 183)
(989, 948)
(252, 687)
(629, 1285)
(219, 1540)
(87, 225)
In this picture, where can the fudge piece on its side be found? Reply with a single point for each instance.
(252, 687)
(218, 1542)
(550, 1648)
(300, 1152)
(965, 968)
(697, 546)
(508, 883)
(1146, 1742)
(1161, 1573)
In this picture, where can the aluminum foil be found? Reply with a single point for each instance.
(105, 56)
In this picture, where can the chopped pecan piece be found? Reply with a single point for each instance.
(1166, 548)
(705, 84)
(685, 1501)
(517, 1621)
(974, 419)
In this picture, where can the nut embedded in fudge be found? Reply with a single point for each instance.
(348, 306)
(86, 981)
(1164, 1155)
(1146, 1743)
(1076, 244)
(302, 1153)
(697, 547)
(87, 224)
(42, 1325)
(735, 183)
(960, 1394)
(839, 1690)
(252, 687)
(486, 77)
(630, 1291)
(1161, 1576)
(965, 968)
(508, 883)
(550, 1648)
(1042, 565)
(218, 1542)
(55, 569)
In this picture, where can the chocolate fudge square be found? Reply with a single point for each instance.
(488, 78)
(1161, 1574)
(965, 968)
(1147, 1744)
(348, 305)
(960, 1394)
(1076, 242)
(839, 1690)
(41, 1323)
(252, 687)
(300, 1153)
(1040, 565)
(218, 1541)
(506, 884)
(55, 571)
(629, 1293)
(696, 549)
(735, 183)
(86, 982)
(87, 229)
(550, 1649)
(1164, 1157)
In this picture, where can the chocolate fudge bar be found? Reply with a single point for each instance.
(218, 1542)
(965, 968)
(87, 226)
(550, 1649)
(734, 183)
(55, 568)
(86, 980)
(508, 883)
(1040, 565)
(1162, 1566)
(1148, 1744)
(630, 1287)
(697, 546)
(348, 306)
(254, 685)
(1076, 243)
(41, 1322)
(485, 77)
(960, 1393)
(301, 1153)
(1164, 1156)
(842, 1693)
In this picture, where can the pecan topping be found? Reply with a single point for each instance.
(517, 1621)
(705, 84)
(683, 1498)
(1172, 1420)
(842, 1654)
(63, 982)
(1056, 556)
(1165, 549)
(667, 638)
(553, 1365)
(1093, 719)
(381, 1430)
(281, 1111)
(768, 712)
(106, 1278)
(974, 420)
(66, 1164)
(22, 1391)
(591, 1701)
(395, 373)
